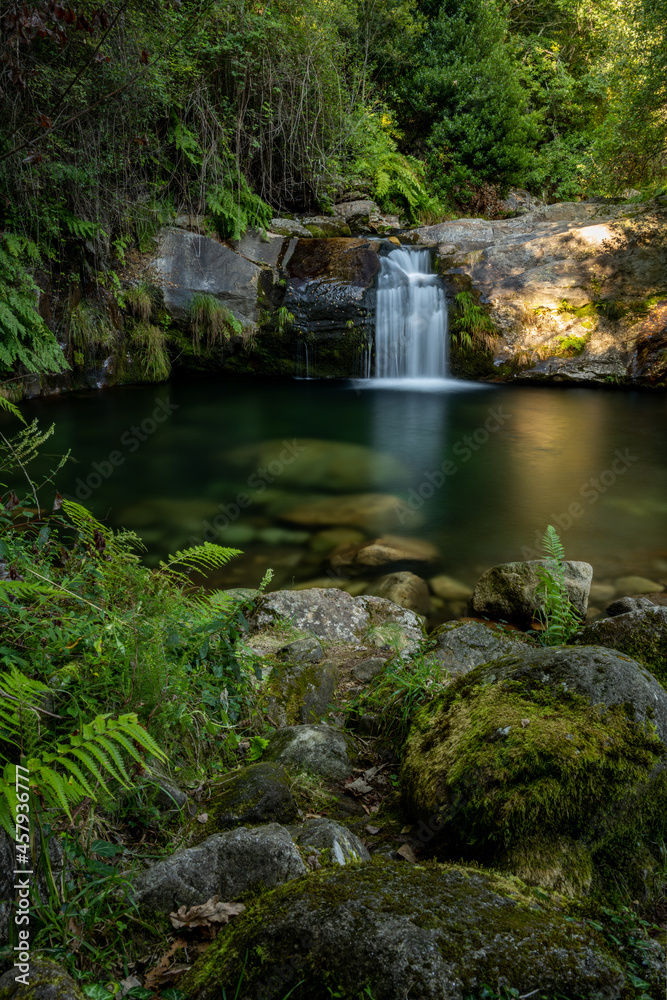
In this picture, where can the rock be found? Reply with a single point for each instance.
(405, 589)
(368, 669)
(327, 841)
(641, 634)
(352, 587)
(546, 763)
(636, 585)
(357, 213)
(391, 552)
(306, 650)
(324, 542)
(334, 615)
(299, 693)
(395, 241)
(226, 864)
(432, 933)
(325, 226)
(519, 202)
(259, 793)
(331, 465)
(47, 981)
(510, 591)
(368, 511)
(462, 646)
(187, 264)
(169, 797)
(602, 593)
(449, 589)
(265, 249)
(331, 285)
(625, 604)
(288, 227)
(315, 749)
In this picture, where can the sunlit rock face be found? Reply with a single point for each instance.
(576, 291)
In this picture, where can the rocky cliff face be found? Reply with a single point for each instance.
(576, 292)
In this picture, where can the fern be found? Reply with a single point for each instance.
(471, 323)
(199, 559)
(9, 407)
(235, 208)
(24, 336)
(558, 617)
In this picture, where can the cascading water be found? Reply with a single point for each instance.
(411, 318)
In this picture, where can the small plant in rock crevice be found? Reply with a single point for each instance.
(558, 617)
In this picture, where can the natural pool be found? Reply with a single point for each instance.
(479, 471)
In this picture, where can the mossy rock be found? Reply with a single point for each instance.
(641, 634)
(256, 794)
(319, 750)
(299, 693)
(47, 981)
(549, 763)
(429, 932)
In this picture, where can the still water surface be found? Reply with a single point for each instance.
(479, 471)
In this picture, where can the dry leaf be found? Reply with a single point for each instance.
(370, 773)
(206, 914)
(406, 852)
(202, 818)
(128, 984)
(159, 972)
(372, 830)
(358, 787)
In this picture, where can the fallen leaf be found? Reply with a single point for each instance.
(406, 852)
(358, 787)
(128, 984)
(525, 722)
(202, 818)
(159, 972)
(370, 773)
(206, 914)
(406, 829)
(372, 830)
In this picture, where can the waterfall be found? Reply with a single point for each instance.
(411, 318)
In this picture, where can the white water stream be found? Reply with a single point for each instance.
(411, 318)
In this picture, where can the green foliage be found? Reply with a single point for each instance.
(558, 617)
(396, 180)
(89, 329)
(204, 558)
(138, 301)
(210, 320)
(24, 336)
(235, 208)
(150, 346)
(397, 693)
(471, 324)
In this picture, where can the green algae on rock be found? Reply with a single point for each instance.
(428, 931)
(259, 793)
(549, 763)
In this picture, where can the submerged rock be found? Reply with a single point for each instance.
(636, 585)
(550, 763)
(226, 865)
(641, 634)
(427, 932)
(391, 552)
(449, 589)
(368, 511)
(512, 591)
(405, 589)
(316, 749)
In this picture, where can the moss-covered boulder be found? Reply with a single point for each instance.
(46, 981)
(319, 750)
(550, 763)
(426, 932)
(641, 634)
(256, 794)
(299, 693)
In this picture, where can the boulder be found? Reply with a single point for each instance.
(227, 865)
(368, 511)
(306, 650)
(391, 552)
(288, 227)
(429, 932)
(187, 264)
(549, 763)
(300, 693)
(405, 589)
(324, 841)
(357, 213)
(641, 634)
(259, 793)
(324, 542)
(460, 646)
(334, 615)
(325, 226)
(316, 749)
(47, 981)
(367, 669)
(625, 604)
(512, 591)
(309, 463)
(449, 589)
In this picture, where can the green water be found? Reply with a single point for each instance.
(478, 471)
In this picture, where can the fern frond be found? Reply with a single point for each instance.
(199, 559)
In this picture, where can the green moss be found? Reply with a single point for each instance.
(516, 771)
